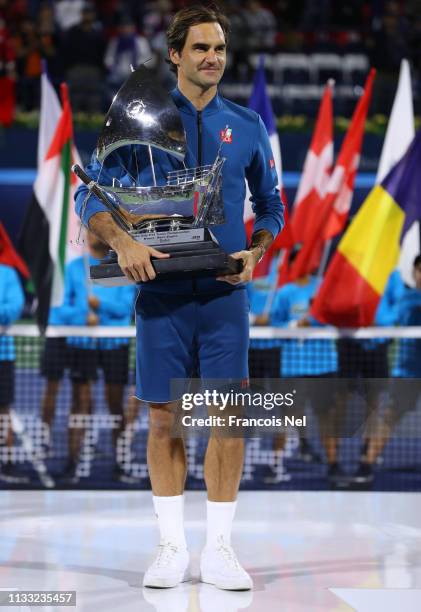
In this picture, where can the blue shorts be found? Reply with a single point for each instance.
(178, 335)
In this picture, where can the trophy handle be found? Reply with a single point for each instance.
(123, 220)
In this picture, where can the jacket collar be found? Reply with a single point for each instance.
(184, 104)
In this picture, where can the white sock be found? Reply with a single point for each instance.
(169, 512)
(219, 521)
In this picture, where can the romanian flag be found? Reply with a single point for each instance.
(368, 252)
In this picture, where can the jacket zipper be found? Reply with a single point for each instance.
(199, 137)
(199, 161)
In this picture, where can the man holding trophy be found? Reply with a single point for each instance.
(194, 151)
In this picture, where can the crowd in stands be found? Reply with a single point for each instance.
(92, 44)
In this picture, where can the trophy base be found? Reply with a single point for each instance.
(187, 260)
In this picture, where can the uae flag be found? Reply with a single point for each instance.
(49, 233)
(260, 102)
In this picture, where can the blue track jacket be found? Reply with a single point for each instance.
(248, 156)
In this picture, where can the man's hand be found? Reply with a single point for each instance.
(134, 259)
(92, 319)
(93, 302)
(249, 260)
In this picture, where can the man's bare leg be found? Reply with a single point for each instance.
(167, 470)
(223, 468)
(49, 401)
(81, 405)
(166, 455)
(114, 394)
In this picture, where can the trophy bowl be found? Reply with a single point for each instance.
(175, 212)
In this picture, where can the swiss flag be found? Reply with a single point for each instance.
(333, 209)
(314, 180)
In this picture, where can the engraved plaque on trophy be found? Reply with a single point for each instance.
(170, 210)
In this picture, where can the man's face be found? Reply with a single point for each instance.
(203, 57)
(417, 276)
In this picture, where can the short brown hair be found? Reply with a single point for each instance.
(191, 16)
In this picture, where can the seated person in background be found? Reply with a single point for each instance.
(11, 305)
(88, 304)
(125, 50)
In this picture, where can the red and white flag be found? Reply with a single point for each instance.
(334, 209)
(316, 172)
(314, 180)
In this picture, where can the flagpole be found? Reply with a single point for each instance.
(323, 261)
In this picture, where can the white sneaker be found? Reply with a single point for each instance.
(220, 566)
(170, 567)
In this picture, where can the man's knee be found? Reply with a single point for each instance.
(161, 420)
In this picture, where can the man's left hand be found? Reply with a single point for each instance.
(249, 261)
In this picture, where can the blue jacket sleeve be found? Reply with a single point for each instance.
(13, 298)
(86, 204)
(262, 180)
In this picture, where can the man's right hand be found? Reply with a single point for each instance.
(134, 259)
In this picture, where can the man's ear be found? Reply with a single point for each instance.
(174, 56)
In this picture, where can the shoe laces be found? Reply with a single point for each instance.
(166, 552)
(227, 553)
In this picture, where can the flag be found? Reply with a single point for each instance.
(8, 255)
(47, 239)
(7, 81)
(314, 181)
(336, 204)
(7, 100)
(316, 172)
(260, 102)
(369, 251)
(399, 134)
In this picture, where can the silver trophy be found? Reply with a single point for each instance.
(173, 213)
